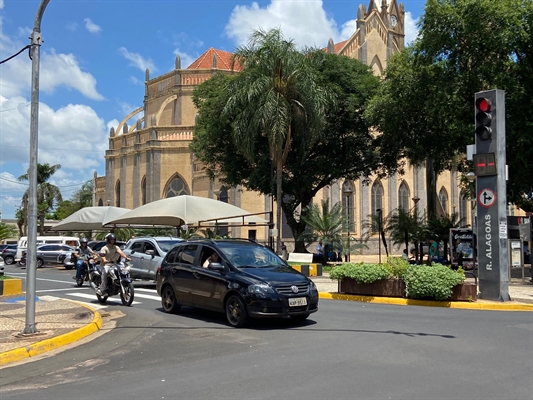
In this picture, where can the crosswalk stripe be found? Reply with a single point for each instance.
(146, 296)
(92, 296)
(138, 289)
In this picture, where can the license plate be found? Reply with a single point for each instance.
(297, 301)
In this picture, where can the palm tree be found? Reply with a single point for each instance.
(325, 225)
(48, 195)
(440, 227)
(406, 227)
(276, 96)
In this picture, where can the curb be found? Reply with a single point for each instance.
(9, 287)
(53, 343)
(427, 303)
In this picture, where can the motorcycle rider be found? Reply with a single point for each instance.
(110, 254)
(80, 254)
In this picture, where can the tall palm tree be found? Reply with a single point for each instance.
(48, 195)
(276, 96)
(406, 227)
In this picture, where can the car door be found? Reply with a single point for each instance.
(48, 253)
(135, 252)
(182, 273)
(152, 260)
(210, 285)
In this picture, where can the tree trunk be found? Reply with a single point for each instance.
(279, 181)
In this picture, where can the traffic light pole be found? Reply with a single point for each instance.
(491, 195)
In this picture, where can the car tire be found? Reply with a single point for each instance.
(236, 313)
(168, 300)
(40, 263)
(9, 260)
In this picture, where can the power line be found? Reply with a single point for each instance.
(14, 55)
(16, 108)
(25, 184)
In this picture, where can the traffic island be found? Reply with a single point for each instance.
(10, 286)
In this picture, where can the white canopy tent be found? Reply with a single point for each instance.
(187, 210)
(89, 219)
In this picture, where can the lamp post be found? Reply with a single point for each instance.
(379, 210)
(348, 191)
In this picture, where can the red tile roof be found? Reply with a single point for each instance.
(338, 46)
(205, 61)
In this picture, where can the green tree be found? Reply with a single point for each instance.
(464, 46)
(276, 96)
(324, 224)
(7, 231)
(81, 198)
(48, 195)
(344, 149)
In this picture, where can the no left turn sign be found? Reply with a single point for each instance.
(486, 198)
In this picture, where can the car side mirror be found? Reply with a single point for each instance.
(132, 252)
(150, 253)
(215, 266)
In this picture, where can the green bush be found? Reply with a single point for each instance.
(361, 272)
(397, 266)
(431, 282)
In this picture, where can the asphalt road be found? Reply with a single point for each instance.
(346, 350)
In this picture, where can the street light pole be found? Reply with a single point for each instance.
(31, 255)
(348, 191)
(379, 233)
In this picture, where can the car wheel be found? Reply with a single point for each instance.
(168, 300)
(40, 263)
(236, 313)
(299, 318)
(9, 260)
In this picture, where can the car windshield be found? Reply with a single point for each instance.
(245, 255)
(166, 245)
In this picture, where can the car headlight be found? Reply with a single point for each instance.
(260, 289)
(312, 285)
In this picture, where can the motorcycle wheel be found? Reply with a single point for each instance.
(102, 299)
(79, 282)
(127, 296)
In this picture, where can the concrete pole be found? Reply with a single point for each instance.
(31, 256)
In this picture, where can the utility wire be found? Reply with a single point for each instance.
(14, 55)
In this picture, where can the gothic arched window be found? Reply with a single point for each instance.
(403, 197)
(463, 207)
(443, 197)
(377, 202)
(175, 187)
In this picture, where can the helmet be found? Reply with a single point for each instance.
(83, 240)
(109, 237)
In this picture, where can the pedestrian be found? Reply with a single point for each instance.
(284, 253)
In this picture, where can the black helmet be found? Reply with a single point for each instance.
(83, 240)
(109, 237)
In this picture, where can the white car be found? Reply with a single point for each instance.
(1, 266)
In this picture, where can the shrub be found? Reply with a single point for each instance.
(397, 266)
(361, 272)
(431, 282)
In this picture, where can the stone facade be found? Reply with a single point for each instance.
(151, 159)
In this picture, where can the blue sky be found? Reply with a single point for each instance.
(93, 60)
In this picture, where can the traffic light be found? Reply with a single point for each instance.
(483, 118)
(485, 164)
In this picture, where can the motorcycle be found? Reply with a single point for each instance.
(118, 282)
(87, 270)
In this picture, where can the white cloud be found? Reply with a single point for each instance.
(9, 183)
(1, 4)
(71, 26)
(297, 19)
(137, 60)
(136, 81)
(411, 30)
(91, 26)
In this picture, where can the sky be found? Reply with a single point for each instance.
(93, 61)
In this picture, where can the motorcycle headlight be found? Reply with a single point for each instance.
(260, 289)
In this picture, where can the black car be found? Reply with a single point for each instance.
(249, 280)
(8, 253)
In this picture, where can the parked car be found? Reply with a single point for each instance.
(147, 253)
(8, 253)
(1, 266)
(249, 281)
(49, 254)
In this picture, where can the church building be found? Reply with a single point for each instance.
(151, 159)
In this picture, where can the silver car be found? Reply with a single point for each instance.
(147, 253)
(49, 254)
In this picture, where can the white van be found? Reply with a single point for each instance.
(23, 243)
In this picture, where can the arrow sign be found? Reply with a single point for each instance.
(486, 198)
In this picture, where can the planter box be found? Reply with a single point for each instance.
(396, 288)
(10, 286)
(383, 288)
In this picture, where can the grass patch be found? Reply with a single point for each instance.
(5, 277)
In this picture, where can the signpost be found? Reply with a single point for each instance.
(491, 189)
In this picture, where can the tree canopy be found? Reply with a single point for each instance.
(344, 148)
(424, 107)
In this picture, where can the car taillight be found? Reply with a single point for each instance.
(158, 269)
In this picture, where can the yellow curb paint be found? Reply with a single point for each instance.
(11, 286)
(426, 303)
(52, 343)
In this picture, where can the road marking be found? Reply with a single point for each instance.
(146, 296)
(92, 296)
(57, 290)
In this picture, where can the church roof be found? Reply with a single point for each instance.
(223, 60)
(338, 46)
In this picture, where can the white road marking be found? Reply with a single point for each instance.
(146, 296)
(93, 297)
(57, 290)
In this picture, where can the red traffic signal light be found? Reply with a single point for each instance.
(485, 164)
(483, 118)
